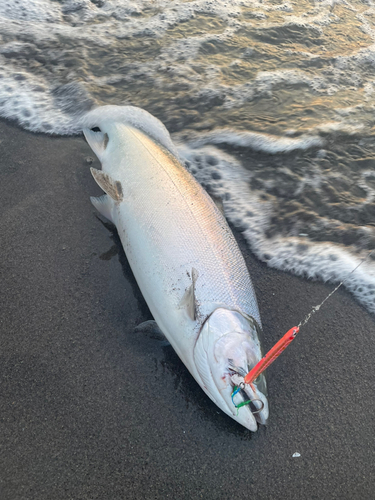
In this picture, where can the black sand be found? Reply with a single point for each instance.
(91, 410)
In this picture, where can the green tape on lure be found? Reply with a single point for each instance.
(236, 390)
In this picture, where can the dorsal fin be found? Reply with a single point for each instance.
(111, 187)
(188, 300)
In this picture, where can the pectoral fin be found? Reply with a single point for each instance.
(111, 187)
(188, 300)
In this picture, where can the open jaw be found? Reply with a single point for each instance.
(226, 349)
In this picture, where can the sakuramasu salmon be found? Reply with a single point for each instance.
(183, 255)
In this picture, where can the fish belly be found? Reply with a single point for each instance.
(169, 226)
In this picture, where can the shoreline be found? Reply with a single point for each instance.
(91, 409)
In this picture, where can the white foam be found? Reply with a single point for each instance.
(187, 49)
(101, 24)
(28, 102)
(251, 214)
(32, 10)
(37, 107)
(269, 6)
(265, 81)
(346, 127)
(258, 142)
(74, 20)
(263, 85)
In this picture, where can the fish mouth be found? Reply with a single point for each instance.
(249, 394)
(255, 405)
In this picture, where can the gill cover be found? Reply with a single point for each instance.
(227, 339)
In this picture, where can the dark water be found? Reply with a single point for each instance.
(270, 103)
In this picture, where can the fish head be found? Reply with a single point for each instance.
(108, 127)
(227, 348)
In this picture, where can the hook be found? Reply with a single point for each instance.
(236, 390)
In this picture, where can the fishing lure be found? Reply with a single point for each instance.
(282, 344)
(271, 355)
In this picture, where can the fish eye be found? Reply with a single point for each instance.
(105, 136)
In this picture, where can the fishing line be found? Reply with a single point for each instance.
(283, 343)
(316, 308)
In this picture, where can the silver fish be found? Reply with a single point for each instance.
(183, 255)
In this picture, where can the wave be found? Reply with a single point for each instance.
(249, 212)
(258, 142)
(270, 103)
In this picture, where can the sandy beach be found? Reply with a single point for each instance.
(91, 410)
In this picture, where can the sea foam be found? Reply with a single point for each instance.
(258, 142)
(251, 214)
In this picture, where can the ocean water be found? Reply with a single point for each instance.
(269, 103)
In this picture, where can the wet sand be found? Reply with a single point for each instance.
(91, 410)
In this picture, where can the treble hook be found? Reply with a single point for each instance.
(236, 390)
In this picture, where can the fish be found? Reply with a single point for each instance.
(183, 255)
